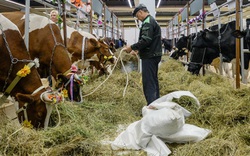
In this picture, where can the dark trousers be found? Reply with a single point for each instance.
(150, 78)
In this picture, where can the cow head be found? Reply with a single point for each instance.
(71, 83)
(183, 45)
(106, 53)
(33, 108)
(176, 53)
(201, 56)
(238, 33)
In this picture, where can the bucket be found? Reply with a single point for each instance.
(130, 66)
(8, 110)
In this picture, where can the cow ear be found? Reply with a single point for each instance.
(237, 34)
(24, 98)
(94, 42)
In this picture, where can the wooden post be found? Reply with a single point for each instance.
(237, 27)
(203, 26)
(188, 27)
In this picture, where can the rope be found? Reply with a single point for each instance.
(59, 117)
(110, 75)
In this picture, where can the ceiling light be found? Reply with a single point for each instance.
(129, 2)
(158, 4)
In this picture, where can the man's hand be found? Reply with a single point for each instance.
(134, 52)
(128, 49)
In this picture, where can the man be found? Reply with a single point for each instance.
(150, 51)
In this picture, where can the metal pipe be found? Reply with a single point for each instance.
(26, 31)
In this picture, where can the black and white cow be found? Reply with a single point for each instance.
(246, 35)
(209, 43)
(183, 46)
(167, 44)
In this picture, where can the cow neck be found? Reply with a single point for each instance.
(6, 93)
(13, 61)
(219, 37)
(53, 51)
(202, 60)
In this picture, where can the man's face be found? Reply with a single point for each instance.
(138, 15)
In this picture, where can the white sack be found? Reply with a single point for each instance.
(164, 123)
(188, 133)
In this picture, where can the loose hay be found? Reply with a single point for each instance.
(224, 110)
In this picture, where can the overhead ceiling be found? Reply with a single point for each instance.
(166, 11)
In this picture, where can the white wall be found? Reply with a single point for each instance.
(131, 35)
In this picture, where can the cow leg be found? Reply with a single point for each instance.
(245, 78)
(227, 69)
(233, 67)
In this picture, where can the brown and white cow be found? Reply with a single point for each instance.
(45, 43)
(85, 46)
(23, 84)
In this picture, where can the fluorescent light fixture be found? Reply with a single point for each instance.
(158, 4)
(129, 2)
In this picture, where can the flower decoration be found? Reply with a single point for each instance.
(24, 71)
(65, 93)
(55, 98)
(198, 18)
(108, 57)
(27, 124)
(85, 79)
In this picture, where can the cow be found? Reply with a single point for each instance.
(246, 35)
(226, 46)
(182, 47)
(167, 43)
(110, 42)
(83, 45)
(20, 79)
(206, 46)
(45, 43)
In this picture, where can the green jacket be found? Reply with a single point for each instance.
(149, 44)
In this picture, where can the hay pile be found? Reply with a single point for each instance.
(85, 127)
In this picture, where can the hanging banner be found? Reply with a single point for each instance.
(107, 14)
(179, 18)
(114, 20)
(196, 6)
(216, 11)
(119, 24)
(231, 4)
(97, 6)
(210, 1)
(175, 21)
(67, 6)
(184, 14)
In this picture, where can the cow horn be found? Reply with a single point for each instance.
(45, 97)
(101, 39)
